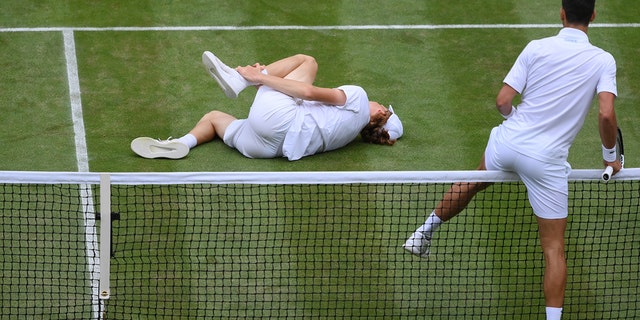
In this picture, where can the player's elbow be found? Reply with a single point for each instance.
(505, 97)
(607, 117)
(503, 103)
(607, 113)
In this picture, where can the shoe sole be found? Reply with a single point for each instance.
(410, 246)
(215, 67)
(418, 253)
(151, 148)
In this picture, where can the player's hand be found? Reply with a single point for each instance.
(252, 73)
(616, 165)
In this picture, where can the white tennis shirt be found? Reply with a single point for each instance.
(319, 127)
(557, 77)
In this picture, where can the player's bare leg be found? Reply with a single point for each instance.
(555, 274)
(211, 125)
(299, 67)
(453, 202)
(459, 196)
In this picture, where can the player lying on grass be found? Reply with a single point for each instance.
(289, 116)
(557, 78)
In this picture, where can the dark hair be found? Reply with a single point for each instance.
(374, 131)
(579, 11)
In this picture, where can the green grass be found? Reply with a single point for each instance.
(151, 83)
(441, 82)
(44, 259)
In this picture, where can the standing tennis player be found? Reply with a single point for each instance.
(557, 78)
(289, 117)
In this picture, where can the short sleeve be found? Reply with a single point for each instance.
(607, 82)
(517, 76)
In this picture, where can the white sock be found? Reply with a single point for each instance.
(431, 225)
(189, 139)
(554, 313)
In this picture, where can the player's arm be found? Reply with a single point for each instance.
(607, 119)
(307, 91)
(608, 125)
(504, 101)
(296, 89)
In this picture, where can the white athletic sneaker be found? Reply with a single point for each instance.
(418, 244)
(155, 148)
(231, 82)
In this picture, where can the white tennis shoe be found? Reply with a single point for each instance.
(231, 82)
(418, 244)
(155, 148)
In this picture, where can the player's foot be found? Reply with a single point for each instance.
(154, 148)
(418, 244)
(231, 82)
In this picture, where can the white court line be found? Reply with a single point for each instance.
(76, 101)
(86, 194)
(345, 27)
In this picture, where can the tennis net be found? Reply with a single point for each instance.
(311, 245)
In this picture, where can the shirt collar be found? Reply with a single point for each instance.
(573, 35)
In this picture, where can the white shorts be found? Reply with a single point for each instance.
(262, 134)
(547, 183)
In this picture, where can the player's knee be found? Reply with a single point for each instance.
(216, 117)
(211, 115)
(307, 59)
(554, 252)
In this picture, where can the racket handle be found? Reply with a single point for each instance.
(606, 175)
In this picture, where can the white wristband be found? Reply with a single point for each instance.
(609, 155)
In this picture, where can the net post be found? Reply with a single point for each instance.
(105, 236)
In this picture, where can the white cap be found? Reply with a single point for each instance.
(393, 125)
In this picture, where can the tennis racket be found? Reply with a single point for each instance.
(606, 175)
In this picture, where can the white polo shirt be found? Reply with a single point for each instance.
(558, 77)
(319, 127)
